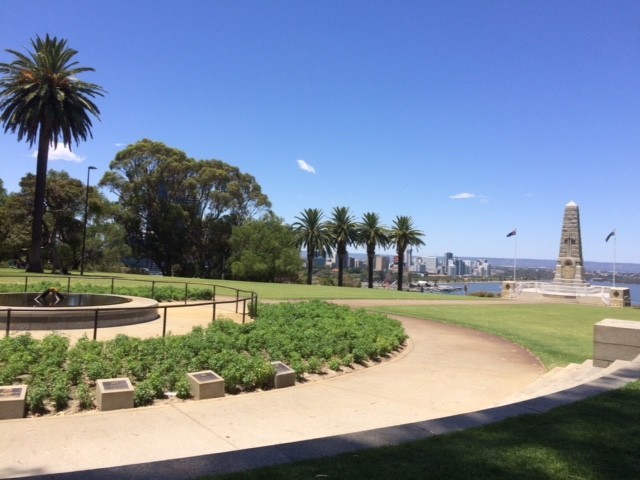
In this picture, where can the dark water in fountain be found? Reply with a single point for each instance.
(27, 300)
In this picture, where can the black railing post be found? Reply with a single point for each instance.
(8, 323)
(254, 303)
(26, 284)
(214, 312)
(237, 299)
(68, 284)
(95, 325)
(164, 323)
(186, 292)
(112, 285)
(244, 309)
(153, 288)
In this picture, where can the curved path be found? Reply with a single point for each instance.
(445, 370)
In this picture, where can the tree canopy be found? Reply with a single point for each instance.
(62, 220)
(174, 207)
(344, 232)
(262, 251)
(312, 232)
(372, 233)
(403, 234)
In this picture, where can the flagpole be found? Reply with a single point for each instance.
(515, 256)
(615, 237)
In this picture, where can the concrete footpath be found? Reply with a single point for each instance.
(443, 372)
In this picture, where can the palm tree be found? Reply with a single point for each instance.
(403, 234)
(344, 232)
(41, 99)
(372, 233)
(311, 232)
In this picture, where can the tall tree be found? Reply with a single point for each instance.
(174, 207)
(313, 233)
(344, 232)
(262, 251)
(372, 233)
(403, 234)
(3, 193)
(43, 100)
(62, 220)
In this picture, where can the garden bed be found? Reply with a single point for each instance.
(316, 339)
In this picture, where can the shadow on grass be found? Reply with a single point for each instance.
(597, 438)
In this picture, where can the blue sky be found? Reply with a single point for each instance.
(474, 118)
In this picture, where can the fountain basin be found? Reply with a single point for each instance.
(74, 311)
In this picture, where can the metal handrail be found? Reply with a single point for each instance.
(252, 297)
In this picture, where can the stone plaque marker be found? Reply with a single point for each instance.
(205, 384)
(111, 385)
(114, 394)
(285, 376)
(12, 401)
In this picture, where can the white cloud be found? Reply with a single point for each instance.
(61, 152)
(306, 167)
(468, 196)
(463, 196)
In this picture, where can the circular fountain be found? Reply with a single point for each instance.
(52, 310)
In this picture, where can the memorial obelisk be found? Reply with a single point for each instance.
(570, 266)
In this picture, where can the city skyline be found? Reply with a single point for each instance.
(474, 119)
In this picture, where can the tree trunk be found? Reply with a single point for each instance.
(371, 255)
(35, 253)
(342, 252)
(309, 269)
(400, 268)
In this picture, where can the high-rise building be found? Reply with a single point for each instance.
(381, 263)
(431, 265)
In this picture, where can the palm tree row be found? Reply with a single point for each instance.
(320, 236)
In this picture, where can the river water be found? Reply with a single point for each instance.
(496, 287)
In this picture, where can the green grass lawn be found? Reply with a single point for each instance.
(265, 291)
(597, 439)
(557, 334)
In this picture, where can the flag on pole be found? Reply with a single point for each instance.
(511, 233)
(612, 234)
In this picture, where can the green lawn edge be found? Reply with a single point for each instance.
(596, 439)
(265, 291)
(558, 334)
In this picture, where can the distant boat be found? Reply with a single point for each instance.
(445, 289)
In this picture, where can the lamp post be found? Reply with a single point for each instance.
(84, 228)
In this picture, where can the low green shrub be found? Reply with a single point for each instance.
(84, 396)
(182, 388)
(309, 337)
(144, 394)
(37, 394)
(335, 364)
